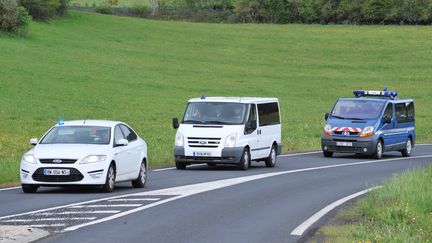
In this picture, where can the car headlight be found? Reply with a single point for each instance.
(367, 132)
(179, 140)
(328, 130)
(93, 159)
(29, 158)
(231, 140)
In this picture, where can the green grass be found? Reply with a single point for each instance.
(401, 211)
(121, 3)
(144, 71)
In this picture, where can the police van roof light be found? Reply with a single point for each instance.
(360, 93)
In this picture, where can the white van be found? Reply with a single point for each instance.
(228, 130)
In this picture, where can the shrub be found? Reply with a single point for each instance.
(13, 18)
(104, 9)
(141, 11)
(309, 11)
(376, 11)
(42, 9)
(350, 11)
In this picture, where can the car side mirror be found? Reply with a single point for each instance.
(387, 119)
(175, 123)
(33, 141)
(122, 142)
(326, 116)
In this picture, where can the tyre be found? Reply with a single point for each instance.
(142, 177)
(110, 180)
(378, 150)
(245, 160)
(327, 154)
(271, 160)
(408, 149)
(29, 188)
(180, 165)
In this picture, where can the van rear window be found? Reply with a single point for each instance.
(268, 114)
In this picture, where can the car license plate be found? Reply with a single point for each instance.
(57, 172)
(202, 154)
(344, 144)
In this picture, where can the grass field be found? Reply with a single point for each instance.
(121, 3)
(144, 71)
(401, 211)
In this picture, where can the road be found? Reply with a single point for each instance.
(206, 204)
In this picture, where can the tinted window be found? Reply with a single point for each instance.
(405, 112)
(268, 114)
(215, 113)
(129, 134)
(389, 111)
(118, 134)
(78, 135)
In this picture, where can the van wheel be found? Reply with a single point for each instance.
(180, 165)
(271, 160)
(408, 149)
(327, 154)
(29, 188)
(245, 160)
(110, 180)
(378, 150)
(142, 177)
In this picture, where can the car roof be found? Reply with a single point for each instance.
(104, 123)
(245, 100)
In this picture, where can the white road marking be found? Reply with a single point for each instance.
(173, 168)
(423, 144)
(107, 206)
(45, 225)
(45, 219)
(188, 190)
(318, 215)
(133, 199)
(297, 154)
(9, 188)
(79, 212)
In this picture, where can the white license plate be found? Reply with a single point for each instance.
(344, 144)
(56, 172)
(202, 154)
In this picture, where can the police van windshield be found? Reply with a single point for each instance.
(215, 113)
(78, 135)
(357, 109)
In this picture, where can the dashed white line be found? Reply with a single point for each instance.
(107, 206)
(46, 219)
(133, 199)
(314, 218)
(80, 212)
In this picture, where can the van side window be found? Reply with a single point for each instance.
(252, 114)
(389, 111)
(268, 114)
(402, 114)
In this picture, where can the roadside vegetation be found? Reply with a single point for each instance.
(144, 71)
(400, 211)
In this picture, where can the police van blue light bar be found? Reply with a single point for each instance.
(360, 93)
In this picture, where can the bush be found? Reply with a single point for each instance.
(104, 9)
(42, 9)
(13, 18)
(376, 11)
(141, 11)
(350, 11)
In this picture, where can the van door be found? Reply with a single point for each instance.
(390, 137)
(404, 121)
(268, 128)
(251, 135)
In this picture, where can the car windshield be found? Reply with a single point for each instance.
(215, 113)
(357, 109)
(78, 135)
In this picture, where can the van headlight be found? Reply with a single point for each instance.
(328, 130)
(231, 140)
(93, 159)
(367, 132)
(179, 140)
(29, 158)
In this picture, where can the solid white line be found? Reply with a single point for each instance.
(133, 199)
(9, 188)
(80, 212)
(183, 191)
(173, 168)
(44, 225)
(314, 218)
(423, 144)
(296, 154)
(45, 219)
(107, 206)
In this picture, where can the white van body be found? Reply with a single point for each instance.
(249, 130)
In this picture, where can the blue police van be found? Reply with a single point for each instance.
(372, 122)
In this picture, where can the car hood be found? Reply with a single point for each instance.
(68, 151)
(205, 131)
(351, 123)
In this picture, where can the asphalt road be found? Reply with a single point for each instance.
(206, 204)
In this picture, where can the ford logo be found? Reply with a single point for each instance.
(202, 142)
(346, 133)
(57, 161)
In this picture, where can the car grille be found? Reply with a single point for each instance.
(75, 175)
(196, 142)
(350, 133)
(63, 161)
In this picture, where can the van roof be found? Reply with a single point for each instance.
(380, 99)
(245, 100)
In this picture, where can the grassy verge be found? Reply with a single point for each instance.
(401, 211)
(144, 71)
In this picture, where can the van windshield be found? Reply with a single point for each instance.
(215, 113)
(357, 109)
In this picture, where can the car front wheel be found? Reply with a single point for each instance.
(29, 188)
(245, 160)
(110, 180)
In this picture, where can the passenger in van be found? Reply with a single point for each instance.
(196, 115)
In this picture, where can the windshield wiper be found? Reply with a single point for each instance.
(338, 117)
(215, 122)
(354, 118)
(193, 121)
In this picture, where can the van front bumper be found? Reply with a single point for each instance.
(228, 156)
(359, 145)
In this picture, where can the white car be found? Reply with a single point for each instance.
(86, 152)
